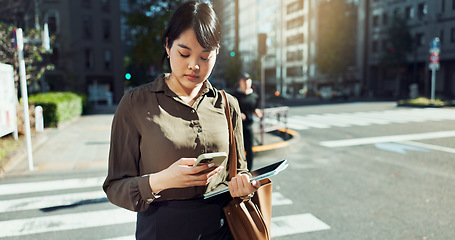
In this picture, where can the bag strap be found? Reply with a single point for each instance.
(232, 160)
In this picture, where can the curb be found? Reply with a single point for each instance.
(290, 137)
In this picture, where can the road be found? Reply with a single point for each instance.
(357, 171)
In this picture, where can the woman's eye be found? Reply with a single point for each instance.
(183, 55)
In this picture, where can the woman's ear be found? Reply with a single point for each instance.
(167, 46)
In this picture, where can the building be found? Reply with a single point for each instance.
(291, 27)
(87, 50)
(426, 20)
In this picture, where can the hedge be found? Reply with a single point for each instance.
(58, 106)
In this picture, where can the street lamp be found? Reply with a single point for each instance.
(19, 41)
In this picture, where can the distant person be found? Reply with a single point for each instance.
(249, 102)
(160, 128)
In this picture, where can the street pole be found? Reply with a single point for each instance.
(433, 83)
(23, 82)
(262, 96)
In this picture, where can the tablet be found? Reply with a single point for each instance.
(257, 175)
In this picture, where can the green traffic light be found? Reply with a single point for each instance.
(127, 76)
(232, 53)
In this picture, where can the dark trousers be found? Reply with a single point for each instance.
(248, 138)
(185, 219)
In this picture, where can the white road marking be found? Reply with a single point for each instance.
(430, 146)
(17, 188)
(294, 224)
(305, 121)
(47, 201)
(20, 227)
(392, 138)
(279, 199)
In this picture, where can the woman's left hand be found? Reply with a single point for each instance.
(240, 185)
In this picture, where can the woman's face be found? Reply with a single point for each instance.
(191, 64)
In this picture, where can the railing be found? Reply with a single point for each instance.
(272, 119)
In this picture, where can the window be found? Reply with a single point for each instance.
(295, 71)
(375, 21)
(385, 19)
(294, 7)
(107, 59)
(374, 47)
(441, 36)
(89, 61)
(87, 26)
(396, 12)
(453, 4)
(294, 56)
(423, 10)
(443, 5)
(52, 21)
(296, 39)
(452, 35)
(55, 56)
(420, 39)
(295, 23)
(409, 11)
(106, 30)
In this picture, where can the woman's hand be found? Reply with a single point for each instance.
(182, 174)
(240, 185)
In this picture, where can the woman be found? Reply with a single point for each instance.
(160, 128)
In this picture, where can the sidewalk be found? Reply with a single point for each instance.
(83, 144)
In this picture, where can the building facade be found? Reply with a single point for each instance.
(87, 50)
(426, 20)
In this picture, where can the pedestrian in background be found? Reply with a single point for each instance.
(248, 102)
(160, 128)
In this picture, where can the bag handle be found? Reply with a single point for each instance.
(232, 160)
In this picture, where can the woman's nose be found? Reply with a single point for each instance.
(193, 66)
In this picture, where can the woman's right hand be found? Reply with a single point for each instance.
(182, 174)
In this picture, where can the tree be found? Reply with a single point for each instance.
(34, 55)
(148, 20)
(335, 45)
(399, 44)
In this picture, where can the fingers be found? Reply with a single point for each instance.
(240, 185)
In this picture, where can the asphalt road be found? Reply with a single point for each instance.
(356, 171)
(377, 187)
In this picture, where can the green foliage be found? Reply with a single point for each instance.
(336, 38)
(149, 21)
(399, 43)
(34, 54)
(233, 69)
(422, 101)
(58, 106)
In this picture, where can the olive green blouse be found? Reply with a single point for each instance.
(152, 128)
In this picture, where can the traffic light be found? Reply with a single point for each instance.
(232, 54)
(128, 76)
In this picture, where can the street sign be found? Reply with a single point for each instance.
(435, 45)
(434, 58)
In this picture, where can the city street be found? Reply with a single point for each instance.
(356, 171)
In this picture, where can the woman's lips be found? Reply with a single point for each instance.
(191, 77)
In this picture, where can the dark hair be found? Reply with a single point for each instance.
(201, 18)
(244, 76)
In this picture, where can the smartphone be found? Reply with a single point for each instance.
(217, 158)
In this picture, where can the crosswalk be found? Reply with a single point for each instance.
(47, 210)
(328, 120)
